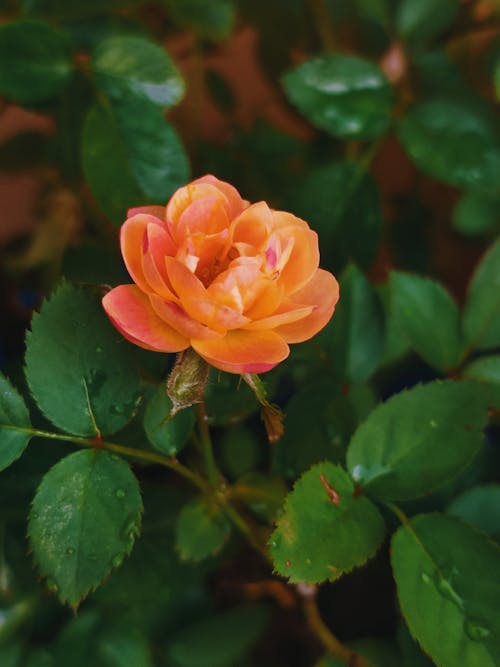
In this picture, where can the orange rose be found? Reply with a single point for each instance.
(235, 281)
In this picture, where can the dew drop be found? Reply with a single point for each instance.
(70, 551)
(433, 423)
(425, 578)
(308, 561)
(447, 591)
(34, 515)
(117, 410)
(120, 493)
(476, 632)
(129, 530)
(273, 544)
(98, 350)
(52, 586)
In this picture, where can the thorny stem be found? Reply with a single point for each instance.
(206, 445)
(323, 632)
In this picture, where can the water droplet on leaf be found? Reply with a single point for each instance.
(476, 632)
(433, 423)
(117, 560)
(70, 551)
(447, 591)
(52, 586)
(120, 493)
(425, 578)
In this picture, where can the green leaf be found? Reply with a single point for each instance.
(429, 319)
(476, 213)
(481, 319)
(73, 10)
(375, 10)
(469, 149)
(127, 66)
(131, 156)
(84, 520)
(419, 439)
(357, 335)
(79, 370)
(262, 493)
(447, 579)
(201, 531)
(326, 529)
(167, 435)
(229, 400)
(10, 655)
(13, 413)
(346, 96)
(484, 369)
(117, 649)
(35, 61)
(239, 450)
(213, 19)
(479, 506)
(342, 203)
(221, 640)
(419, 21)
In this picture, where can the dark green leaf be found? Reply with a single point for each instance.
(481, 322)
(262, 493)
(479, 506)
(326, 529)
(346, 96)
(35, 61)
(207, 18)
(476, 213)
(10, 655)
(131, 156)
(240, 451)
(419, 21)
(127, 66)
(201, 531)
(119, 649)
(447, 579)
(357, 334)
(13, 413)
(485, 369)
(79, 370)
(73, 10)
(84, 520)
(419, 439)
(229, 400)
(429, 319)
(221, 640)
(469, 149)
(341, 202)
(376, 10)
(167, 435)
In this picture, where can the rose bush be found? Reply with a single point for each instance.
(236, 281)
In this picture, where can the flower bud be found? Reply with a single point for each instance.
(187, 381)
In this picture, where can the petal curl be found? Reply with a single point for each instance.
(235, 201)
(132, 235)
(157, 244)
(244, 351)
(285, 316)
(178, 319)
(303, 260)
(131, 313)
(323, 292)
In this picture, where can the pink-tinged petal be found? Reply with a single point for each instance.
(323, 292)
(236, 203)
(253, 226)
(278, 319)
(243, 351)
(132, 238)
(131, 313)
(176, 317)
(303, 259)
(157, 244)
(155, 211)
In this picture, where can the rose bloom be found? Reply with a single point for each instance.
(236, 281)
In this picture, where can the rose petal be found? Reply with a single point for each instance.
(177, 318)
(187, 195)
(157, 245)
(253, 226)
(155, 211)
(132, 235)
(236, 203)
(322, 291)
(131, 313)
(303, 260)
(294, 314)
(243, 351)
(207, 215)
(267, 302)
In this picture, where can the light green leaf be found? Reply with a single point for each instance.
(479, 506)
(429, 319)
(201, 531)
(484, 369)
(326, 528)
(35, 61)
(419, 439)
(221, 640)
(476, 213)
(13, 413)
(419, 21)
(79, 370)
(167, 435)
(469, 149)
(84, 520)
(131, 156)
(346, 96)
(481, 320)
(342, 203)
(213, 19)
(448, 588)
(357, 334)
(134, 66)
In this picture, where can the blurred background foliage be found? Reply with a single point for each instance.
(374, 120)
